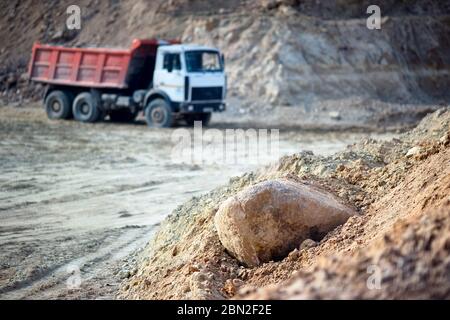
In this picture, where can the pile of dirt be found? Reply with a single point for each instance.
(314, 55)
(411, 261)
(400, 188)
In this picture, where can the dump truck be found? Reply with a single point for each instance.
(167, 81)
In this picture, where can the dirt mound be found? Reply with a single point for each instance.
(186, 259)
(411, 261)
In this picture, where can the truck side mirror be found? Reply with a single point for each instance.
(222, 57)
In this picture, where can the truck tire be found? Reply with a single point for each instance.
(85, 109)
(158, 114)
(205, 118)
(122, 115)
(58, 105)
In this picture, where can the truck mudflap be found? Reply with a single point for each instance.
(200, 107)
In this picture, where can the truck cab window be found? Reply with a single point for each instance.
(172, 62)
(203, 61)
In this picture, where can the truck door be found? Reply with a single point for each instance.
(169, 77)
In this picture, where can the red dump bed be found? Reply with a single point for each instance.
(95, 67)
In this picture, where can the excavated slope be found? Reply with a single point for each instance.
(400, 189)
(278, 52)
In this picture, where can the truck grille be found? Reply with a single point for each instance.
(209, 93)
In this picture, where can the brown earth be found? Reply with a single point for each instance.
(76, 195)
(401, 188)
(315, 56)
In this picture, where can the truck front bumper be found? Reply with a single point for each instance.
(201, 107)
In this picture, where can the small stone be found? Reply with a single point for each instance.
(238, 283)
(124, 274)
(307, 244)
(270, 4)
(294, 255)
(232, 285)
(413, 151)
(186, 288)
(193, 268)
(445, 139)
(57, 35)
(242, 273)
(335, 115)
(440, 112)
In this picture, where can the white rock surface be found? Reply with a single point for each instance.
(267, 221)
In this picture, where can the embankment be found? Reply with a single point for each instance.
(400, 189)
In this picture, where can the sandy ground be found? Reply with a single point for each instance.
(77, 199)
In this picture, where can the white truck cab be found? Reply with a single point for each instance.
(192, 79)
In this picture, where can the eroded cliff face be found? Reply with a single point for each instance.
(292, 59)
(278, 52)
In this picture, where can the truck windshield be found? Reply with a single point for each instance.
(203, 61)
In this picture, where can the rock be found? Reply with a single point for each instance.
(445, 139)
(267, 221)
(23, 77)
(203, 287)
(193, 268)
(12, 79)
(57, 35)
(64, 35)
(231, 286)
(441, 111)
(269, 4)
(287, 10)
(335, 115)
(238, 283)
(307, 244)
(124, 274)
(274, 4)
(413, 152)
(243, 273)
(294, 255)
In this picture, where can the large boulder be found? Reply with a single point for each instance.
(267, 221)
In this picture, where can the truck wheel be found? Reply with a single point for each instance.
(122, 115)
(85, 109)
(205, 118)
(158, 114)
(58, 105)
